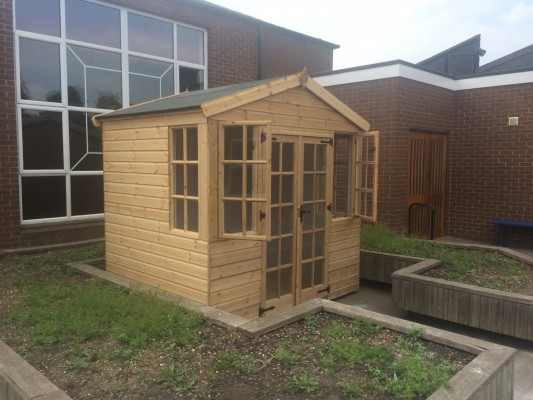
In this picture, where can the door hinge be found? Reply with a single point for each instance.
(329, 141)
(263, 137)
(264, 310)
(329, 207)
(328, 289)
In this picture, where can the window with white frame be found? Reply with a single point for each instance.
(76, 59)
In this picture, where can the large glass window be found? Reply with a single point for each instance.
(185, 179)
(105, 58)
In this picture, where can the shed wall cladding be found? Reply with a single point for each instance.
(492, 171)
(395, 107)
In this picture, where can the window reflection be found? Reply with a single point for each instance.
(92, 23)
(191, 79)
(42, 140)
(43, 197)
(87, 192)
(40, 75)
(38, 16)
(150, 79)
(85, 142)
(150, 36)
(190, 45)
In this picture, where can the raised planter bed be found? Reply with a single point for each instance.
(378, 267)
(488, 309)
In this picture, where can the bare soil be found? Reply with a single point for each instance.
(258, 374)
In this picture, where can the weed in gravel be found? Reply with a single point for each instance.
(287, 353)
(302, 384)
(176, 379)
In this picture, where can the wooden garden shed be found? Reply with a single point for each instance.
(248, 197)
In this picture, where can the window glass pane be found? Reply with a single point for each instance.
(192, 215)
(272, 253)
(307, 246)
(92, 23)
(285, 284)
(275, 156)
(286, 190)
(307, 275)
(40, 76)
(192, 144)
(150, 36)
(233, 180)
(42, 140)
(274, 221)
(308, 186)
(319, 272)
(190, 45)
(146, 79)
(76, 79)
(274, 189)
(192, 180)
(167, 83)
(104, 89)
(43, 197)
(252, 142)
(286, 220)
(249, 219)
(307, 217)
(233, 143)
(319, 243)
(232, 216)
(321, 157)
(254, 183)
(320, 187)
(87, 194)
(84, 140)
(320, 209)
(40, 16)
(309, 157)
(179, 180)
(288, 157)
(179, 212)
(272, 285)
(90, 162)
(191, 79)
(178, 145)
(286, 250)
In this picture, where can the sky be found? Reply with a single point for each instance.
(373, 31)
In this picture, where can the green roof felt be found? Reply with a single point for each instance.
(183, 101)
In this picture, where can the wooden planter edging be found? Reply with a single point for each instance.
(488, 309)
(378, 267)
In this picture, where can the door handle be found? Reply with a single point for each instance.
(302, 212)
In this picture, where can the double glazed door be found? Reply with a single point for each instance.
(296, 265)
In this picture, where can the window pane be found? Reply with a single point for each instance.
(192, 144)
(146, 79)
(43, 197)
(288, 157)
(319, 272)
(179, 180)
(167, 83)
(232, 216)
(309, 157)
(233, 180)
(179, 212)
(233, 143)
(319, 243)
(272, 253)
(275, 156)
(307, 275)
(192, 180)
(254, 183)
(40, 76)
(308, 187)
(286, 220)
(87, 194)
(190, 45)
(90, 162)
(178, 145)
(272, 285)
(104, 89)
(320, 187)
(84, 140)
(40, 16)
(150, 36)
(321, 157)
(274, 221)
(320, 209)
(307, 246)
(287, 189)
(285, 284)
(274, 189)
(42, 140)
(191, 79)
(286, 250)
(192, 215)
(92, 23)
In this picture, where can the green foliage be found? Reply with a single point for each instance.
(309, 323)
(176, 379)
(364, 326)
(231, 359)
(56, 257)
(352, 389)
(302, 384)
(287, 353)
(410, 345)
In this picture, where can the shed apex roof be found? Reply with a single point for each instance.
(217, 100)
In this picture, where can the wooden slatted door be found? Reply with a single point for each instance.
(296, 268)
(427, 183)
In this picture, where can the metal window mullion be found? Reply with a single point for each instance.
(124, 57)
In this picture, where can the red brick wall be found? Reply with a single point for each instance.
(233, 56)
(394, 107)
(492, 171)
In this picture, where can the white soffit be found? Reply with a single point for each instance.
(405, 71)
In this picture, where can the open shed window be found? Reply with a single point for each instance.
(184, 173)
(355, 175)
(244, 181)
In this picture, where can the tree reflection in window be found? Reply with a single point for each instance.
(94, 78)
(150, 79)
(85, 142)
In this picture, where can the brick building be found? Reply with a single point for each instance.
(450, 141)
(64, 61)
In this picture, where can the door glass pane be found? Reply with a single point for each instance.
(288, 157)
(307, 223)
(150, 36)
(179, 212)
(272, 253)
(87, 194)
(192, 144)
(319, 243)
(320, 187)
(285, 281)
(192, 180)
(192, 215)
(274, 221)
(38, 16)
(308, 187)
(252, 142)
(321, 157)
(286, 220)
(178, 145)
(179, 182)
(40, 76)
(287, 189)
(232, 216)
(233, 143)
(307, 246)
(272, 285)
(250, 220)
(286, 250)
(93, 23)
(320, 210)
(42, 139)
(190, 45)
(275, 156)
(190, 79)
(43, 197)
(309, 157)
(307, 275)
(233, 180)
(274, 189)
(319, 272)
